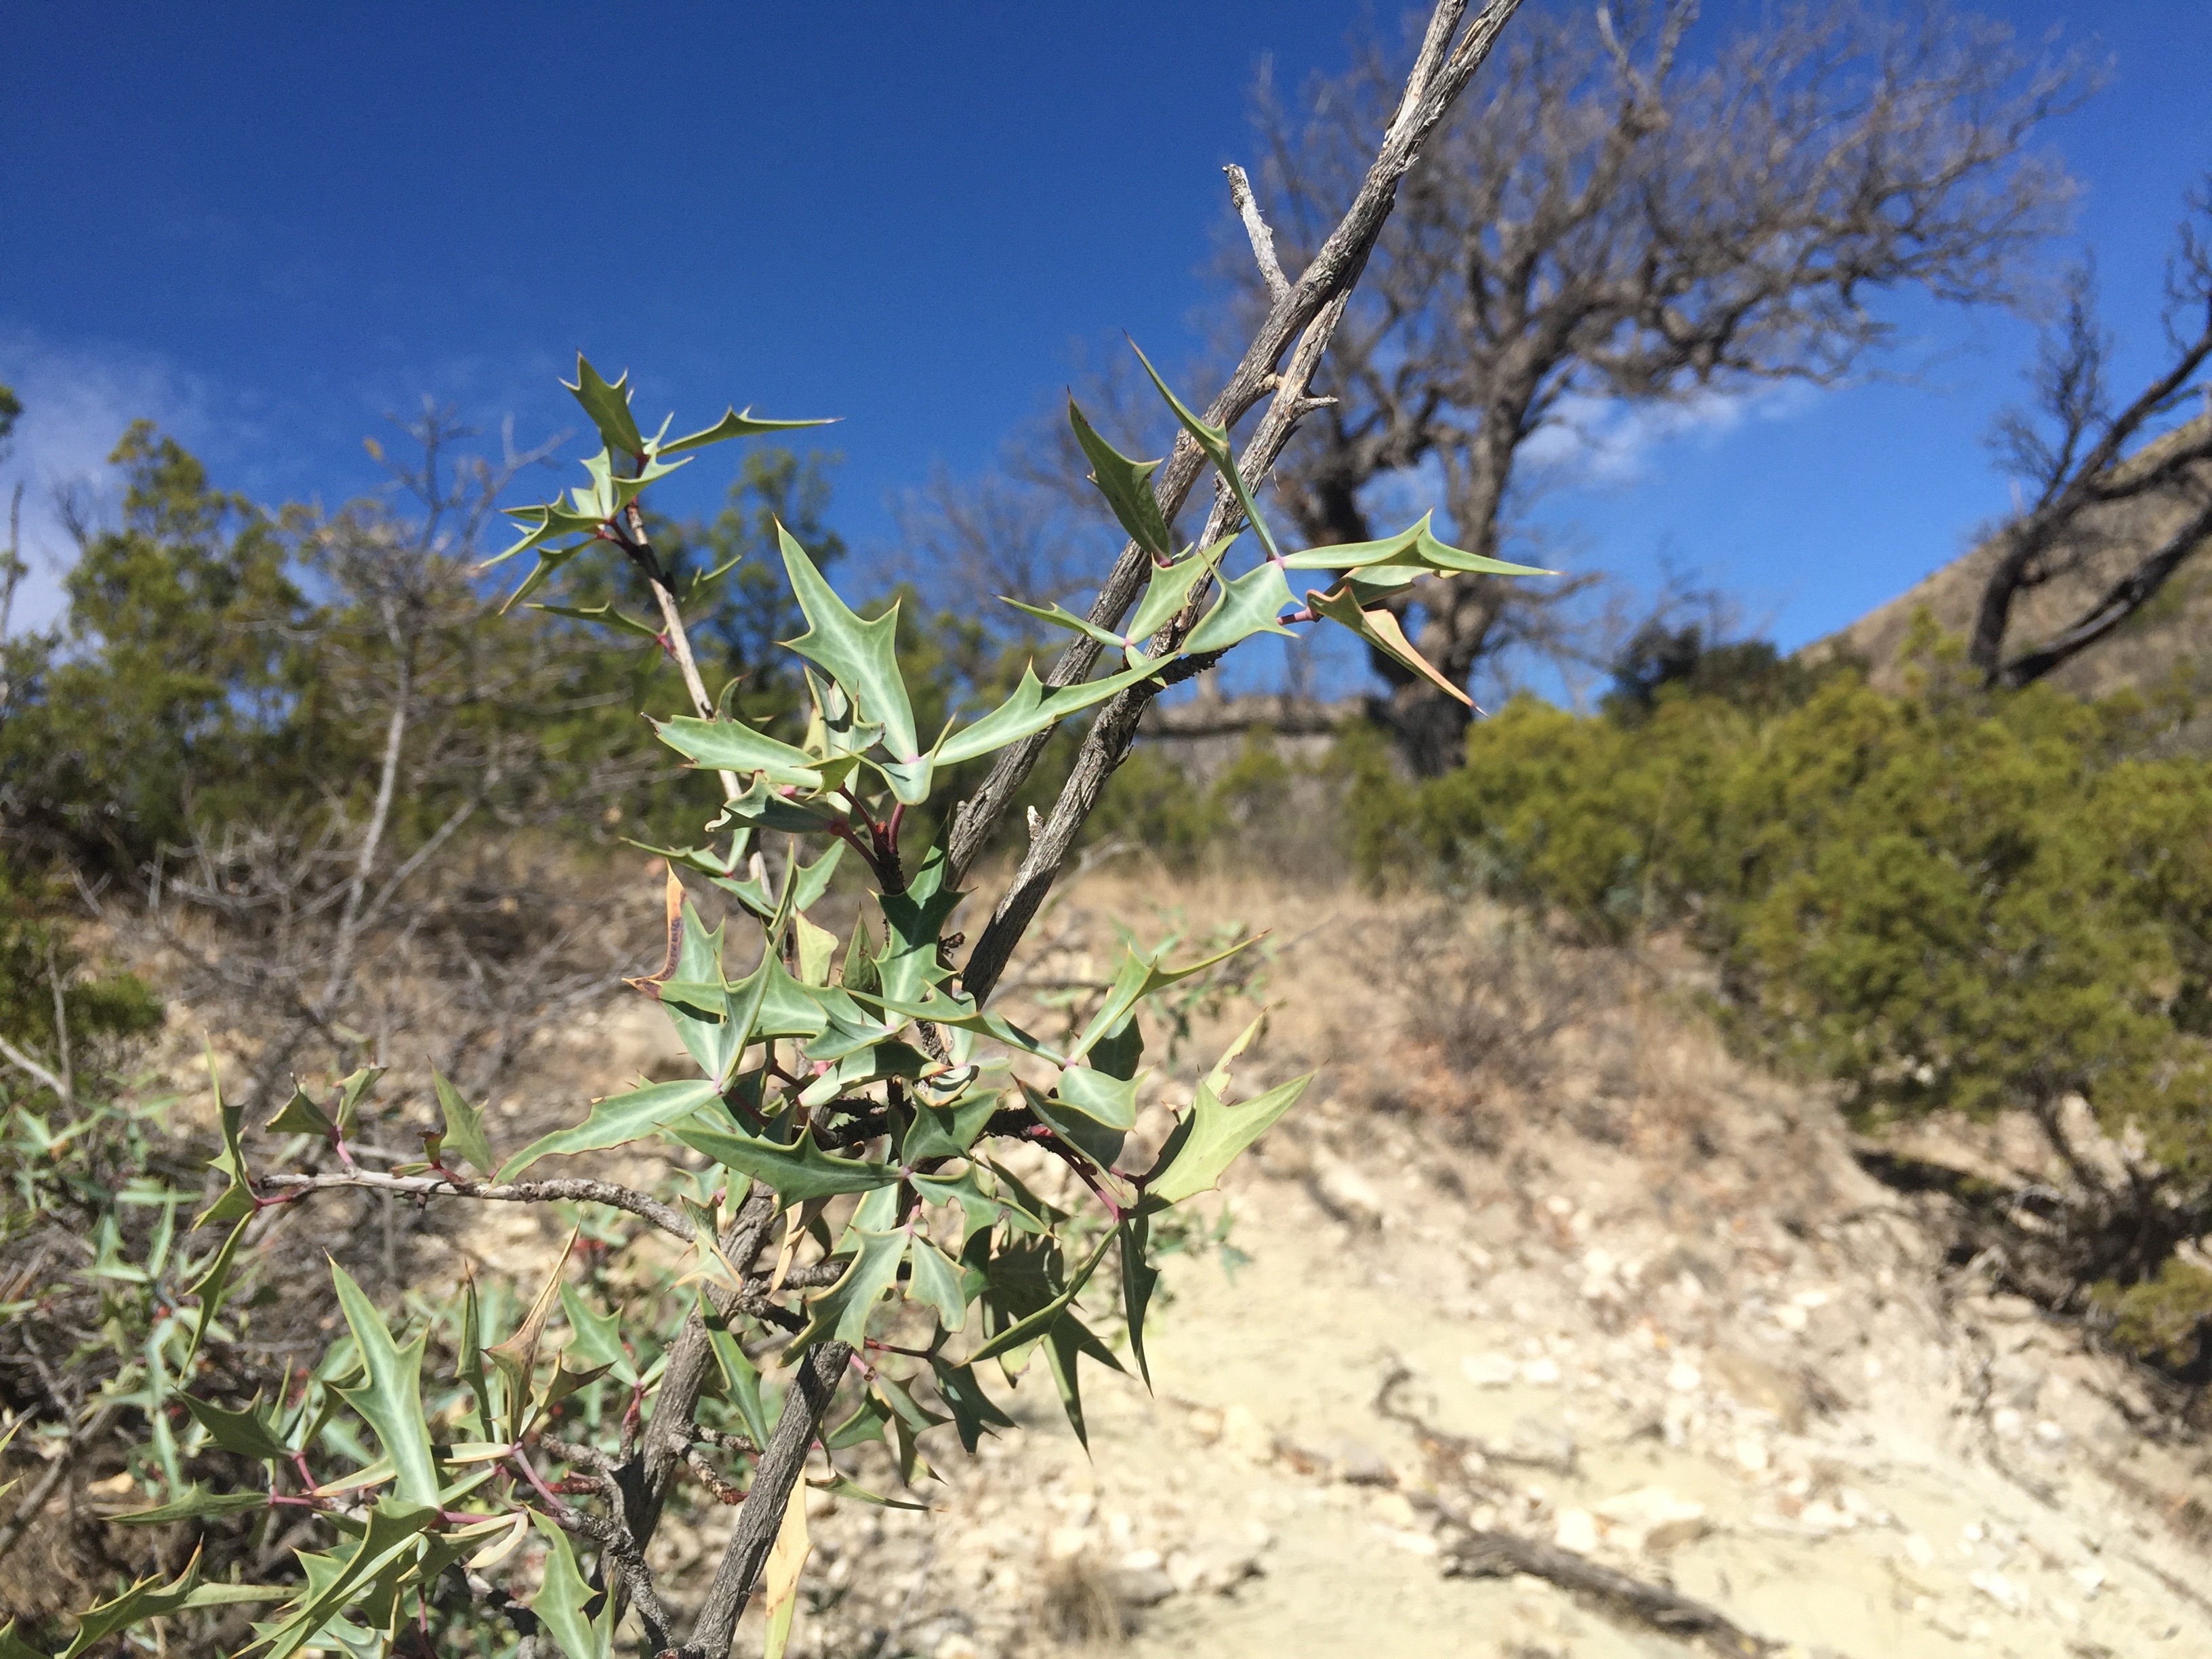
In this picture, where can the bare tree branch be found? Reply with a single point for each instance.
(1617, 226)
(1441, 73)
(1255, 227)
(2095, 459)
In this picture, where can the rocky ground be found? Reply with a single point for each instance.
(1663, 1321)
(1534, 1258)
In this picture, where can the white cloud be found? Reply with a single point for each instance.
(1600, 442)
(77, 400)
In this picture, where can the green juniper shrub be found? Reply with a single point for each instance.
(1938, 900)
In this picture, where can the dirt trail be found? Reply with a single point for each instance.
(1675, 1329)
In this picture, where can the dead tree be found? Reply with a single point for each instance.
(2089, 463)
(1626, 221)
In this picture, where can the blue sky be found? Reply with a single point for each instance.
(268, 225)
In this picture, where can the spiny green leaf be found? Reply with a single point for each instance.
(464, 1131)
(842, 1310)
(974, 1413)
(979, 1209)
(796, 1173)
(389, 1540)
(617, 1121)
(564, 1602)
(839, 1486)
(908, 963)
(1127, 486)
(817, 950)
(960, 1013)
(608, 408)
(540, 524)
(1027, 1329)
(236, 1199)
(193, 1503)
(1060, 617)
(1166, 593)
(873, 1064)
(946, 1131)
(299, 1115)
(1101, 1143)
(1250, 604)
(1068, 1339)
(1210, 1139)
(1098, 1095)
(1138, 977)
(606, 615)
(859, 975)
(351, 1093)
(249, 1433)
(1214, 440)
(390, 1399)
(595, 1338)
(1032, 709)
(863, 655)
(936, 1284)
(731, 745)
(763, 806)
(1380, 628)
(1118, 1053)
(213, 1284)
(741, 1381)
(1418, 545)
(735, 424)
(146, 1599)
(1138, 1279)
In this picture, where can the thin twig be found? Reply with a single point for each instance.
(1255, 227)
(523, 1192)
(17, 1057)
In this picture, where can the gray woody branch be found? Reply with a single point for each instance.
(1306, 313)
(1441, 72)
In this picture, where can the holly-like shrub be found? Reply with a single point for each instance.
(852, 1090)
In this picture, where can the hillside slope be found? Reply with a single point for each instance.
(2175, 629)
(1537, 1257)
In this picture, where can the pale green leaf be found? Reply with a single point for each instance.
(862, 654)
(563, 1600)
(795, 1173)
(249, 1433)
(194, 1502)
(464, 1130)
(1138, 1279)
(1418, 545)
(608, 408)
(731, 745)
(594, 1338)
(842, 1310)
(935, 1283)
(1168, 591)
(1214, 440)
(1127, 486)
(299, 1115)
(1249, 605)
(1211, 1137)
(1060, 616)
(617, 1121)
(1032, 709)
(389, 1398)
(736, 423)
